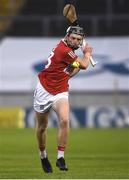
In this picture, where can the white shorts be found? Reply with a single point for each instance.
(43, 100)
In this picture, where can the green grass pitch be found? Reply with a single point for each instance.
(91, 154)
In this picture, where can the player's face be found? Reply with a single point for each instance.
(74, 41)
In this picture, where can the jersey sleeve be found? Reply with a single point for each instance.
(70, 56)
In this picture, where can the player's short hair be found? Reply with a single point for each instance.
(75, 30)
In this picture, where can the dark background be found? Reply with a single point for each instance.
(36, 18)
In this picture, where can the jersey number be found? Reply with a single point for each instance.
(49, 60)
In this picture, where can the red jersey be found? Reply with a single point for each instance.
(54, 78)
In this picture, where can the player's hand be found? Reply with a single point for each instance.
(87, 49)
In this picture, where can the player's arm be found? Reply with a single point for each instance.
(83, 63)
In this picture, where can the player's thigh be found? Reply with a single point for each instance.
(42, 119)
(61, 107)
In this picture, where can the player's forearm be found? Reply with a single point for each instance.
(87, 51)
(85, 61)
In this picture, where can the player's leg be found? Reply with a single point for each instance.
(41, 127)
(42, 105)
(61, 108)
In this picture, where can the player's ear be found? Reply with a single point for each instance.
(81, 43)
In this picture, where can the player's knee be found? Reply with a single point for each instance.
(64, 122)
(41, 128)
